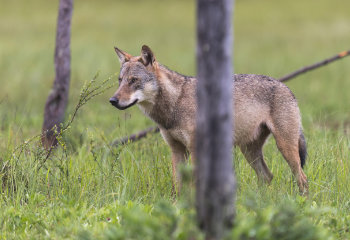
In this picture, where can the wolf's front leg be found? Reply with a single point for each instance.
(178, 155)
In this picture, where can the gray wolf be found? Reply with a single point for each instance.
(262, 106)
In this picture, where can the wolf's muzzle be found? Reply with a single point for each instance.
(115, 102)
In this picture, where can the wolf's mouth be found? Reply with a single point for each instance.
(116, 104)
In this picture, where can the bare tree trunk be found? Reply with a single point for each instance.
(214, 171)
(58, 98)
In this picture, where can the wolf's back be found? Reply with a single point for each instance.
(261, 87)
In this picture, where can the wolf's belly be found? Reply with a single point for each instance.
(248, 120)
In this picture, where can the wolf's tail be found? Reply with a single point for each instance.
(302, 149)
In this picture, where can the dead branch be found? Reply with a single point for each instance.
(314, 66)
(135, 137)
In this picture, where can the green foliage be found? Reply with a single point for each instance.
(162, 220)
(285, 221)
(87, 189)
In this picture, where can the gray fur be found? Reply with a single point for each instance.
(262, 106)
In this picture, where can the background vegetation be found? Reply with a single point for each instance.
(89, 190)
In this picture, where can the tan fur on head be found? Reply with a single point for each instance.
(147, 58)
(147, 55)
(123, 56)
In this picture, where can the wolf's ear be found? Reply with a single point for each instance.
(147, 56)
(123, 56)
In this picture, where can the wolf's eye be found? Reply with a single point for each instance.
(119, 79)
(133, 80)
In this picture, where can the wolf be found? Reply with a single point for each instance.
(262, 106)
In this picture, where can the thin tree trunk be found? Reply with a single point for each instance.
(214, 171)
(58, 98)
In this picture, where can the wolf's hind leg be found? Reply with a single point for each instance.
(254, 155)
(289, 147)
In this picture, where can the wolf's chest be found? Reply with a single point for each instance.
(181, 135)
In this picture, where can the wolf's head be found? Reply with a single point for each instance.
(137, 79)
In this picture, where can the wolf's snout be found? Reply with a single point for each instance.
(114, 101)
(119, 104)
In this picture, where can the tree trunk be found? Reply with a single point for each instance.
(214, 171)
(58, 98)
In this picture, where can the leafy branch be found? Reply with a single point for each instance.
(89, 90)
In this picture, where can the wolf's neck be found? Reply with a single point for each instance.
(177, 78)
(171, 85)
(170, 88)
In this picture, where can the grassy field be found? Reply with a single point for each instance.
(89, 190)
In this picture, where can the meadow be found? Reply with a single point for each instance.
(88, 189)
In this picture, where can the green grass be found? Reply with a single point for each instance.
(90, 190)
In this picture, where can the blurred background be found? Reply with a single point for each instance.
(271, 37)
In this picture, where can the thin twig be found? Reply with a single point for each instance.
(48, 153)
(314, 66)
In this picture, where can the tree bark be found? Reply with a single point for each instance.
(58, 98)
(214, 171)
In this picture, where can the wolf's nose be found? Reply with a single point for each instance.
(113, 101)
